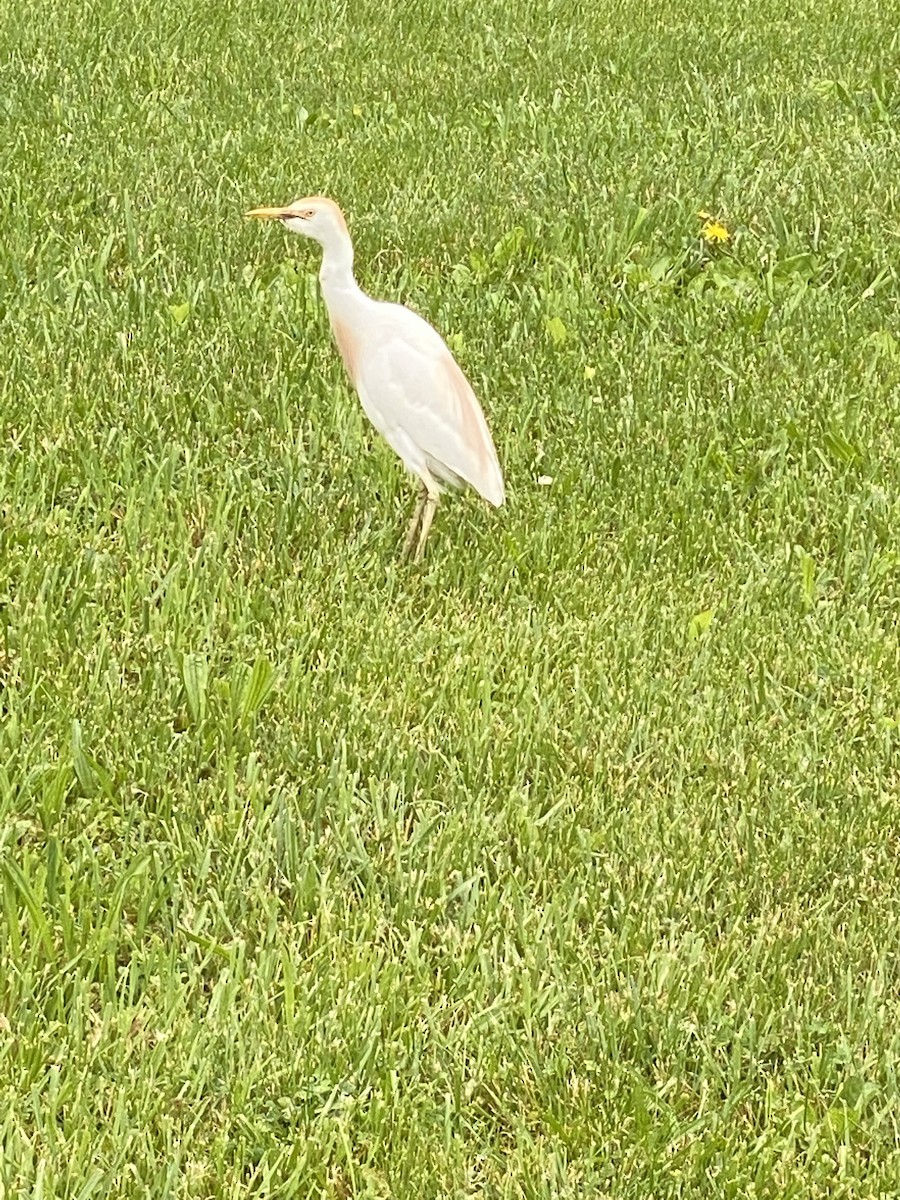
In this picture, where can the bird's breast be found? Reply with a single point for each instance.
(349, 346)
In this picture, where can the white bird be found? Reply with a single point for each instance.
(409, 384)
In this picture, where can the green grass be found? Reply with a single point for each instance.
(567, 864)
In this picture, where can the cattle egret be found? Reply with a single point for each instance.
(409, 384)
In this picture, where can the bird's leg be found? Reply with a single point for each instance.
(413, 532)
(430, 506)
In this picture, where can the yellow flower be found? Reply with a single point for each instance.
(715, 233)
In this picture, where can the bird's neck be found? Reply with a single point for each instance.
(339, 285)
(347, 303)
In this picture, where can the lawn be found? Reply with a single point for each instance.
(565, 864)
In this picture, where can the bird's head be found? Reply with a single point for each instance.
(315, 217)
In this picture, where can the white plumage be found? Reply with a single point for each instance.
(409, 384)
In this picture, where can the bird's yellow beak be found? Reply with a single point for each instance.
(268, 214)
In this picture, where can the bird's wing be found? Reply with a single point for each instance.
(418, 390)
